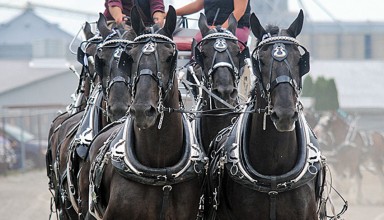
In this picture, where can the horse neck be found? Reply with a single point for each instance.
(270, 152)
(162, 147)
(211, 125)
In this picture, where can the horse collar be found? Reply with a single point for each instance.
(307, 167)
(190, 166)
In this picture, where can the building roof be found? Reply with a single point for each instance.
(18, 73)
(359, 83)
(22, 85)
(28, 28)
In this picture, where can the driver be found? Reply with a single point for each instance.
(151, 11)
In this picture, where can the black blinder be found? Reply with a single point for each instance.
(197, 55)
(99, 66)
(242, 56)
(255, 65)
(125, 63)
(81, 56)
(174, 61)
(304, 63)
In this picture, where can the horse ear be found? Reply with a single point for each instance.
(170, 21)
(137, 23)
(297, 25)
(256, 27)
(102, 26)
(232, 24)
(203, 25)
(88, 31)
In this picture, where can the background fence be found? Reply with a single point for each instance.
(26, 130)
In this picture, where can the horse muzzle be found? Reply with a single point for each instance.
(145, 115)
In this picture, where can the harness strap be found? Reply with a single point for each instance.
(165, 203)
(272, 198)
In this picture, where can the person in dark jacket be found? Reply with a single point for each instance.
(218, 11)
(151, 11)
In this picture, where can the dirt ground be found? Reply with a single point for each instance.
(25, 196)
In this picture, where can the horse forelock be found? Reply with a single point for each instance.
(273, 30)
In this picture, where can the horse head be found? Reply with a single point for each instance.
(219, 55)
(115, 83)
(152, 59)
(87, 57)
(279, 66)
(334, 129)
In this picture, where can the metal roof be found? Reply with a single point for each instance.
(28, 28)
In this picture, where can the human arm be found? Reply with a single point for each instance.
(191, 8)
(157, 11)
(115, 8)
(239, 9)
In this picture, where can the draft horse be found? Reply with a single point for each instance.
(109, 102)
(268, 166)
(221, 60)
(348, 148)
(149, 166)
(85, 55)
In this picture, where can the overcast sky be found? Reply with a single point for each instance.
(317, 10)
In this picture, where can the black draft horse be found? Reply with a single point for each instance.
(221, 60)
(149, 166)
(75, 110)
(109, 102)
(268, 165)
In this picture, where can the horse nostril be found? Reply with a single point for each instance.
(151, 111)
(234, 94)
(295, 116)
(132, 111)
(274, 116)
(216, 92)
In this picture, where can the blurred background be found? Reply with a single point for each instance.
(345, 39)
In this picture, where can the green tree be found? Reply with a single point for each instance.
(308, 87)
(326, 95)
